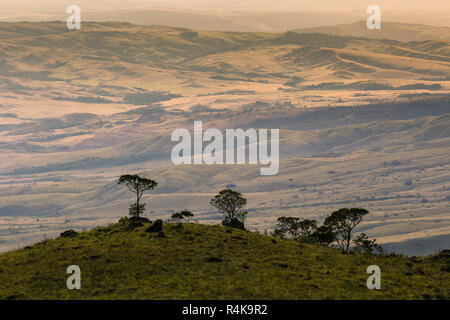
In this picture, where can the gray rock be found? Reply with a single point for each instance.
(69, 234)
(155, 227)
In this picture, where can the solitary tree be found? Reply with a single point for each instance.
(343, 222)
(187, 215)
(177, 217)
(180, 216)
(230, 203)
(137, 185)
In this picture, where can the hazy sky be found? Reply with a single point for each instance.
(282, 5)
(427, 12)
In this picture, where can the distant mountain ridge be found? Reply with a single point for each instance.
(390, 30)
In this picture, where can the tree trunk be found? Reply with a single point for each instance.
(349, 235)
(137, 206)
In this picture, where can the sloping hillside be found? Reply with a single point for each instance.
(210, 262)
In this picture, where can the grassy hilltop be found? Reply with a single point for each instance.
(210, 262)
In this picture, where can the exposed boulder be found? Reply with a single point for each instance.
(155, 227)
(233, 223)
(69, 234)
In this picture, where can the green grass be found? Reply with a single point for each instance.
(130, 264)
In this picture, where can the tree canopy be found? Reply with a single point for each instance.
(180, 216)
(343, 222)
(137, 185)
(230, 203)
(336, 229)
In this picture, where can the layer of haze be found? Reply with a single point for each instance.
(283, 5)
(436, 12)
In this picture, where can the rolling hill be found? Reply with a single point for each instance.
(363, 122)
(107, 60)
(210, 262)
